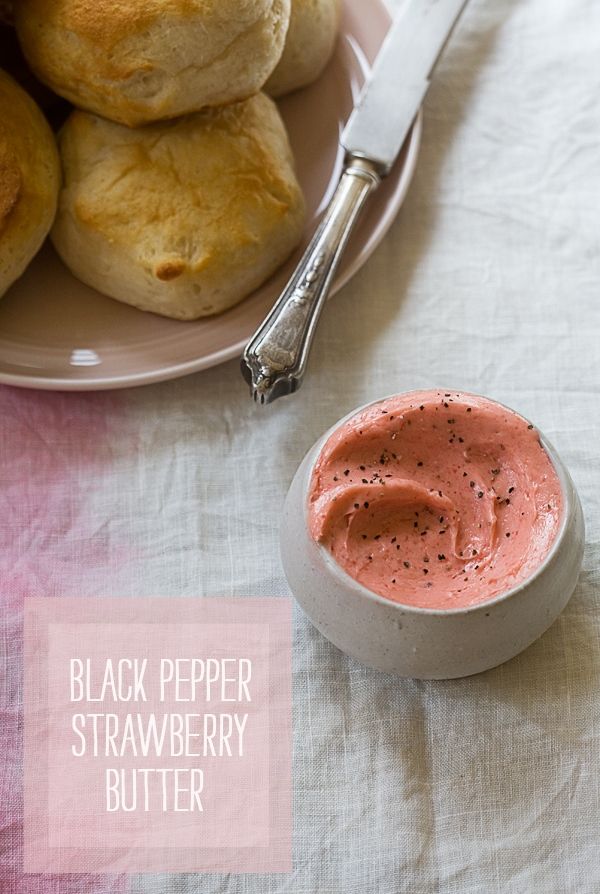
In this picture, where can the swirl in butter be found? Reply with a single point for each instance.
(436, 499)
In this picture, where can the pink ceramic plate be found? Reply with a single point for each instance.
(56, 333)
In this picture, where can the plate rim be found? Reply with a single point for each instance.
(224, 355)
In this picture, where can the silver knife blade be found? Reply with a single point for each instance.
(399, 80)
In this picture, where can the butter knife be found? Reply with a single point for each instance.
(274, 361)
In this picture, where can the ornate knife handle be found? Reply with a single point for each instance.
(274, 361)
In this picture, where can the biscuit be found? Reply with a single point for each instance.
(138, 61)
(309, 44)
(29, 180)
(183, 218)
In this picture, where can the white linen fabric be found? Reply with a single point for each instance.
(489, 281)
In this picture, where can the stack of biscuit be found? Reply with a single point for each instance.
(178, 193)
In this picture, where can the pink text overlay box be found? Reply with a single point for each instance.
(157, 735)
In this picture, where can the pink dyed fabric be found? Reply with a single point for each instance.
(55, 450)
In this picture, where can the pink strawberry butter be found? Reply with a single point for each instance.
(436, 499)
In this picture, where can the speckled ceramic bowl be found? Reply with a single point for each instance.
(420, 642)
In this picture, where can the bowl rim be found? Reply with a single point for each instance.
(568, 494)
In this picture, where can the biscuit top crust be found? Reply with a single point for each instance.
(108, 22)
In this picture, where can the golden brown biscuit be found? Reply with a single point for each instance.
(183, 218)
(137, 61)
(308, 47)
(29, 180)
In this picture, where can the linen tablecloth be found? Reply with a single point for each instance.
(488, 281)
